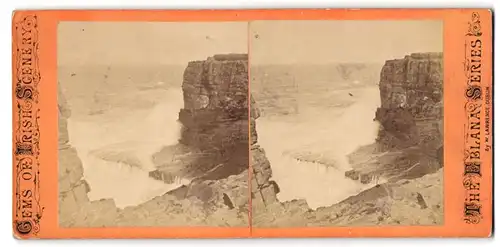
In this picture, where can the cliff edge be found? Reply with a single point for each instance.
(410, 141)
(212, 153)
(411, 93)
(403, 161)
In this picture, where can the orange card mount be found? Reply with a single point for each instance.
(264, 123)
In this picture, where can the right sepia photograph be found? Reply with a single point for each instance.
(346, 123)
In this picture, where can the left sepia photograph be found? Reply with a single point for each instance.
(153, 124)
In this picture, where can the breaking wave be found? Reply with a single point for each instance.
(116, 151)
(308, 156)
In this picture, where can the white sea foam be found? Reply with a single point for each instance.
(334, 133)
(127, 140)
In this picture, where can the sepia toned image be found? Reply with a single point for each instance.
(346, 123)
(252, 123)
(153, 124)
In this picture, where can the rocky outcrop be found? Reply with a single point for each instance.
(264, 190)
(213, 147)
(215, 114)
(403, 163)
(411, 93)
(411, 120)
(406, 203)
(212, 153)
(72, 190)
(217, 203)
(75, 209)
(214, 137)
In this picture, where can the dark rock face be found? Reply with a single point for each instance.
(411, 120)
(411, 92)
(352, 174)
(212, 152)
(213, 146)
(214, 118)
(404, 154)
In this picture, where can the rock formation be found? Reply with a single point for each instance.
(212, 153)
(75, 209)
(70, 167)
(404, 155)
(214, 139)
(215, 114)
(264, 190)
(389, 204)
(410, 117)
(411, 92)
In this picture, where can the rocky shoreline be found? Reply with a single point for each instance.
(410, 140)
(403, 162)
(407, 202)
(213, 153)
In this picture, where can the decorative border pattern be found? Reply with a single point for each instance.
(27, 208)
(472, 128)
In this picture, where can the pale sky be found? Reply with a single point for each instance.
(341, 41)
(137, 43)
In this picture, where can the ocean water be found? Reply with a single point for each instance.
(324, 132)
(129, 114)
(129, 136)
